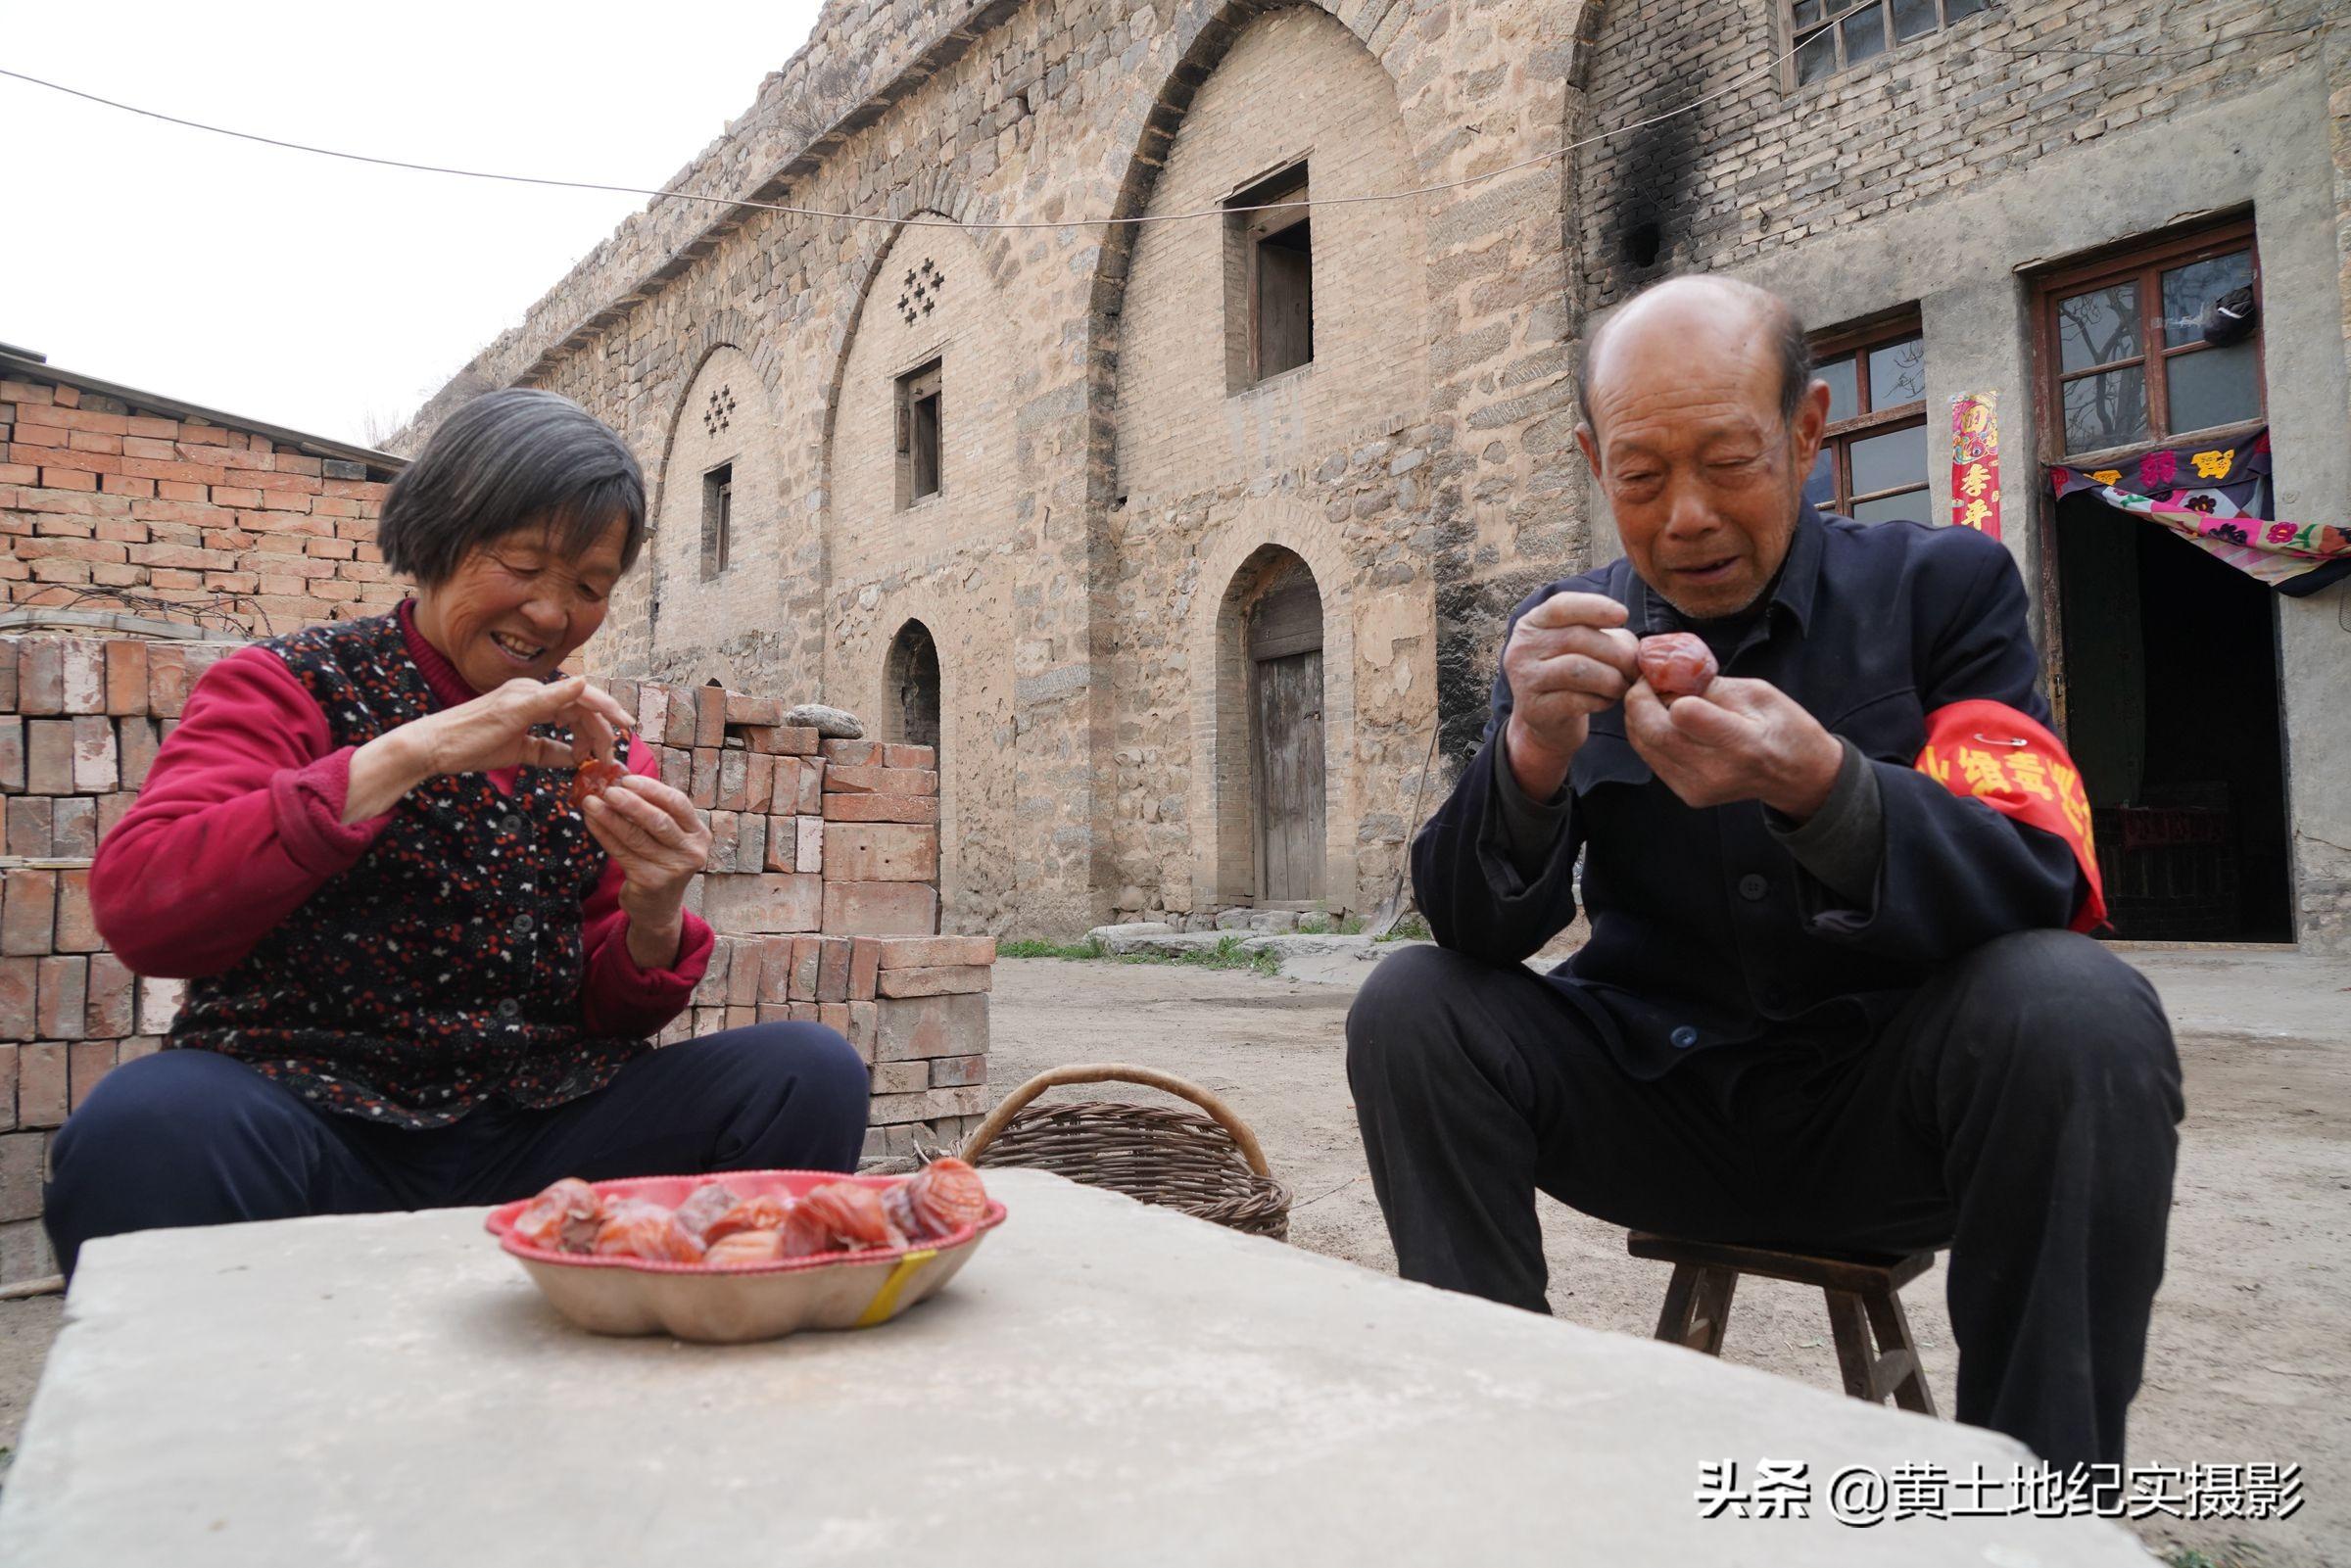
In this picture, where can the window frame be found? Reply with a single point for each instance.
(1859, 340)
(2142, 261)
(1833, 14)
(718, 517)
(925, 383)
(1247, 234)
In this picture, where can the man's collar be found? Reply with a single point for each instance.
(1793, 588)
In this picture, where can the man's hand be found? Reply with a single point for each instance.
(1743, 740)
(1568, 658)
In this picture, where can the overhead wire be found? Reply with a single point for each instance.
(664, 194)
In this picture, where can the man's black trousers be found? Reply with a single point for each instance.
(2019, 1111)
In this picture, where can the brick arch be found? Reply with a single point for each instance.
(1205, 31)
(724, 328)
(1223, 846)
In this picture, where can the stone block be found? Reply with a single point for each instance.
(40, 677)
(863, 1018)
(44, 1089)
(882, 808)
(743, 973)
(958, 1072)
(759, 780)
(751, 842)
(113, 995)
(734, 781)
(930, 952)
(709, 717)
(852, 754)
(81, 675)
(833, 970)
(701, 787)
(880, 852)
(783, 851)
(782, 739)
(11, 754)
(167, 679)
(31, 821)
(49, 757)
(775, 969)
(833, 1016)
(96, 768)
(766, 902)
(930, 1026)
(808, 957)
(861, 781)
(77, 929)
(865, 962)
(20, 1175)
(725, 828)
(25, 1252)
(88, 1060)
(158, 1004)
(28, 912)
(808, 840)
(901, 1078)
(74, 827)
(126, 678)
(766, 712)
(20, 985)
(135, 743)
(952, 980)
(880, 909)
(905, 756)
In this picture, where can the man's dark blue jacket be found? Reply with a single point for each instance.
(1705, 929)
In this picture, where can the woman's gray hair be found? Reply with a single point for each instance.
(510, 460)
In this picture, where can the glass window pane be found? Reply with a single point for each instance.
(1820, 486)
(1844, 401)
(1816, 57)
(1808, 14)
(1897, 373)
(2213, 387)
(2187, 288)
(2098, 327)
(1884, 463)
(1912, 17)
(1953, 10)
(1865, 33)
(2108, 410)
(1911, 505)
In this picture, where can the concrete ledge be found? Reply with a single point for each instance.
(1104, 1383)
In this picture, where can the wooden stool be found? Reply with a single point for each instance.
(1863, 1292)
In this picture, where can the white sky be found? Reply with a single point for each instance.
(329, 296)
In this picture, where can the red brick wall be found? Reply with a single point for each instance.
(98, 493)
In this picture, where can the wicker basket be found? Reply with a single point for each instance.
(1209, 1166)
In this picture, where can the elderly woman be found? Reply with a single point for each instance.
(418, 976)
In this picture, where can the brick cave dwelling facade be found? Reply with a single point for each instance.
(1188, 542)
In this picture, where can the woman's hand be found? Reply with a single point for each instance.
(660, 844)
(493, 731)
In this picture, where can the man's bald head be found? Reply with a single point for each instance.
(1704, 314)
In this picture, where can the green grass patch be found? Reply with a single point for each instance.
(1033, 947)
(1225, 955)
(1408, 928)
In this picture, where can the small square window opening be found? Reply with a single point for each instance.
(1270, 280)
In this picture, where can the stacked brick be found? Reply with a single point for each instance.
(80, 720)
(822, 887)
(822, 884)
(97, 493)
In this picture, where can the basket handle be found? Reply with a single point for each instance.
(1114, 1072)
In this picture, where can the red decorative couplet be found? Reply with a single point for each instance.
(1976, 462)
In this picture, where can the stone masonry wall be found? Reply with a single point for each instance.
(96, 493)
(1432, 431)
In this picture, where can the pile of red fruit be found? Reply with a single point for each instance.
(717, 1228)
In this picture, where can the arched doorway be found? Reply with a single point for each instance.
(1282, 624)
(910, 685)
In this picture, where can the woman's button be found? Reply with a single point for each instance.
(524, 924)
(510, 824)
(509, 1007)
(1684, 1037)
(1753, 886)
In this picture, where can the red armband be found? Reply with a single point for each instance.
(1988, 752)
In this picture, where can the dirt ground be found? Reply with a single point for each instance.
(2249, 1361)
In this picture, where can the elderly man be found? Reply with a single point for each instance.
(1830, 1001)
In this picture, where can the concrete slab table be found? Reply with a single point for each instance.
(1104, 1383)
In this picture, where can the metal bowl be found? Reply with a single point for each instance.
(736, 1305)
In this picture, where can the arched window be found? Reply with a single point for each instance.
(910, 685)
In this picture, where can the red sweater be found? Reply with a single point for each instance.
(241, 821)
